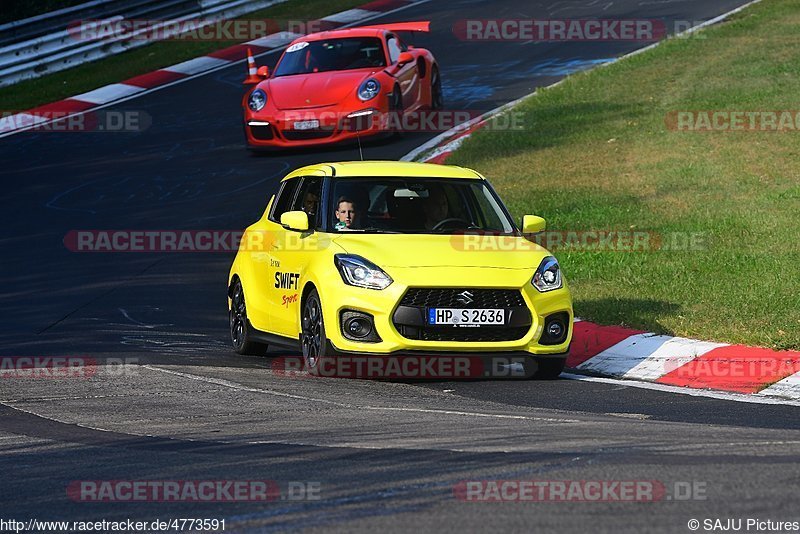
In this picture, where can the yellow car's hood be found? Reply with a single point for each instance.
(415, 250)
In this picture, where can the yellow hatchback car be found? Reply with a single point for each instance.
(390, 258)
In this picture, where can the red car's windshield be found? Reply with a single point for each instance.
(332, 54)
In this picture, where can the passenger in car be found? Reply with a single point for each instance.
(345, 214)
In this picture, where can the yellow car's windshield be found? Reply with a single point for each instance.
(426, 205)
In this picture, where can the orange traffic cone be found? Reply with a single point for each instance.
(252, 70)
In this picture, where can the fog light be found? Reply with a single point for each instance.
(554, 329)
(358, 327)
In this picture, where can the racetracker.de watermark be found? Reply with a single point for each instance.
(638, 30)
(733, 121)
(106, 121)
(47, 367)
(200, 29)
(65, 367)
(193, 241)
(730, 368)
(424, 120)
(192, 490)
(407, 367)
(166, 240)
(606, 491)
(212, 29)
(581, 240)
(211, 241)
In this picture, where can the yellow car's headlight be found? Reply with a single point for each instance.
(548, 275)
(359, 272)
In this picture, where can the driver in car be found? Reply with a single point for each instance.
(436, 207)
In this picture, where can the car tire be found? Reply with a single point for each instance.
(316, 348)
(396, 107)
(240, 329)
(549, 368)
(437, 97)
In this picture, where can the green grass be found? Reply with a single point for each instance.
(77, 80)
(595, 153)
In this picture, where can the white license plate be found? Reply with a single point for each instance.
(470, 317)
(306, 125)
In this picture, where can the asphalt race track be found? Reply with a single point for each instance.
(386, 455)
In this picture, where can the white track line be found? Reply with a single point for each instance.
(242, 387)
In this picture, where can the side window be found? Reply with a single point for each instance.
(403, 47)
(393, 45)
(309, 200)
(284, 199)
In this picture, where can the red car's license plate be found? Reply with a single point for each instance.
(306, 125)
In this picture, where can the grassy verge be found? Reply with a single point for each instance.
(596, 154)
(31, 93)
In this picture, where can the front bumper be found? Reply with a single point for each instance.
(277, 129)
(393, 323)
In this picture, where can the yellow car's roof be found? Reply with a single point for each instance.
(368, 169)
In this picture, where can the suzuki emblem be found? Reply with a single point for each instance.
(465, 297)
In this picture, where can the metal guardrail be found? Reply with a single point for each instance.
(58, 49)
(19, 30)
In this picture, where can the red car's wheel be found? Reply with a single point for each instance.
(437, 99)
(396, 110)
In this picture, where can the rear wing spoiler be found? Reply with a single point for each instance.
(420, 26)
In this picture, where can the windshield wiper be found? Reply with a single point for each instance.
(374, 229)
(457, 230)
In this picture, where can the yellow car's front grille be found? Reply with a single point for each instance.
(424, 297)
(409, 318)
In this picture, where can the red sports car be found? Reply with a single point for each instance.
(335, 85)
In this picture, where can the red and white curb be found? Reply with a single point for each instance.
(663, 362)
(623, 353)
(167, 76)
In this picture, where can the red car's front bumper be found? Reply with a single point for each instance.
(292, 129)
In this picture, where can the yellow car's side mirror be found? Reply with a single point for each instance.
(531, 224)
(295, 220)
